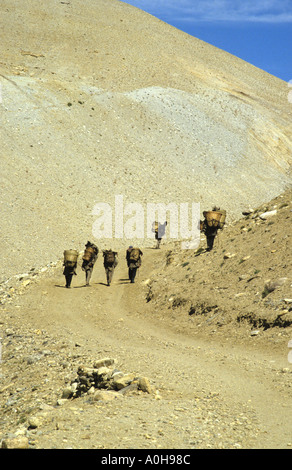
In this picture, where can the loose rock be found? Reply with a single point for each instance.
(15, 443)
(268, 214)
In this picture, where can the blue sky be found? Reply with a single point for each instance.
(257, 31)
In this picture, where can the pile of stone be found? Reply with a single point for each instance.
(104, 376)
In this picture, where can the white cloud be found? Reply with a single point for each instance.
(267, 11)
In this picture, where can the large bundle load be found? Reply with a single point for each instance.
(212, 218)
(134, 254)
(70, 257)
(88, 253)
(215, 218)
(109, 256)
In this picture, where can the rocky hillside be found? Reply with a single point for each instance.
(191, 356)
(101, 99)
(243, 283)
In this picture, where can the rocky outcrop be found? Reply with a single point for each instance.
(104, 376)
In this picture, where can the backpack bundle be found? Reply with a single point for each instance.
(134, 254)
(88, 253)
(109, 257)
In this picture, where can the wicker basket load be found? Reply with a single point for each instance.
(215, 218)
(212, 218)
(71, 256)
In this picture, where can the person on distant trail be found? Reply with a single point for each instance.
(159, 230)
(210, 228)
(110, 261)
(70, 265)
(89, 259)
(134, 261)
(69, 272)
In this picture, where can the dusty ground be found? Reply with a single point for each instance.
(217, 381)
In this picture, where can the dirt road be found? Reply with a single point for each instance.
(205, 393)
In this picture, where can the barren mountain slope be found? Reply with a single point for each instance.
(100, 99)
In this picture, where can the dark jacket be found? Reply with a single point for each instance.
(69, 269)
(209, 231)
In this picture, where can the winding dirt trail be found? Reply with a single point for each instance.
(211, 394)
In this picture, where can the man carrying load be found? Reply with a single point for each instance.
(214, 220)
(110, 261)
(89, 259)
(134, 261)
(70, 265)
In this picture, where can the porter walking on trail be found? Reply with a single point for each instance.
(214, 220)
(110, 261)
(134, 261)
(70, 265)
(89, 259)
